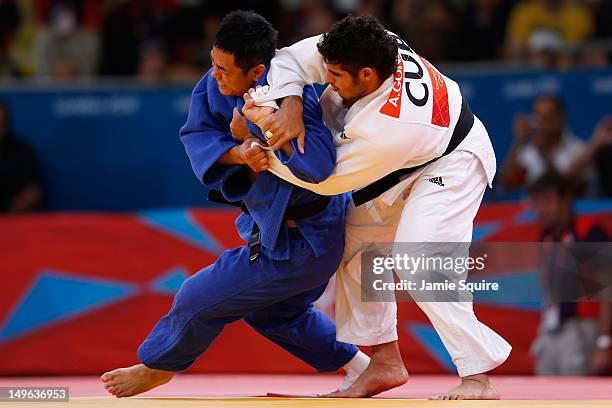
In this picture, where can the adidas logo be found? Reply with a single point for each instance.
(437, 180)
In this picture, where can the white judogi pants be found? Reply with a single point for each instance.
(418, 210)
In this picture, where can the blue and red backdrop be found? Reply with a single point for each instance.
(80, 291)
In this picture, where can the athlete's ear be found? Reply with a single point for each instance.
(367, 74)
(257, 71)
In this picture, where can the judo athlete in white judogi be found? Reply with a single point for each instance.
(403, 131)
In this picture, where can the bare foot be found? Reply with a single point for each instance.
(473, 387)
(126, 382)
(385, 371)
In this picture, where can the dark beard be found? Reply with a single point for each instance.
(349, 102)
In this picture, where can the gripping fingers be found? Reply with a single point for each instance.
(259, 91)
(263, 164)
(259, 156)
(279, 143)
(300, 143)
(259, 164)
(273, 139)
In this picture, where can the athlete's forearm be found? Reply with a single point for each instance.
(286, 124)
(358, 164)
(232, 156)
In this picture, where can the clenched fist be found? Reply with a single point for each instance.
(253, 155)
(238, 126)
(254, 113)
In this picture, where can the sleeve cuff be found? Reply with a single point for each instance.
(292, 160)
(297, 165)
(290, 89)
(214, 172)
(237, 184)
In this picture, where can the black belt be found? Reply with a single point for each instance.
(298, 212)
(463, 127)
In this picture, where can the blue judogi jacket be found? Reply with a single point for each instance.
(206, 136)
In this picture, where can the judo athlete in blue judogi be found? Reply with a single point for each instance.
(295, 237)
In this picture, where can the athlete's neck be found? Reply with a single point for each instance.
(368, 88)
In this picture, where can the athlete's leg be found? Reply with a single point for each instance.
(224, 292)
(364, 323)
(440, 214)
(368, 323)
(304, 331)
(435, 213)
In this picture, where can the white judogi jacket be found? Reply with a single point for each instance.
(406, 122)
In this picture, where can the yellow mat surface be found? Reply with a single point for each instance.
(107, 402)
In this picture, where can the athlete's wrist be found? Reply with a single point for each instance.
(293, 104)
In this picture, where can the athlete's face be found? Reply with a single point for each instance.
(231, 79)
(349, 87)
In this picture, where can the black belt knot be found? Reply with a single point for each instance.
(298, 212)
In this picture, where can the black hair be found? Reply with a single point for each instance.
(248, 36)
(358, 42)
(551, 181)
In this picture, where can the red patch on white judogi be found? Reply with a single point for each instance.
(394, 104)
(440, 115)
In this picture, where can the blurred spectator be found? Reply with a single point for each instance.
(428, 26)
(359, 6)
(65, 49)
(574, 336)
(23, 46)
(545, 50)
(210, 24)
(592, 56)
(569, 22)
(304, 19)
(596, 54)
(153, 64)
(602, 10)
(9, 24)
(185, 62)
(20, 182)
(118, 41)
(602, 139)
(317, 18)
(483, 29)
(597, 153)
(86, 37)
(541, 143)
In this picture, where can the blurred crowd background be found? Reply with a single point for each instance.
(160, 40)
(92, 94)
(158, 43)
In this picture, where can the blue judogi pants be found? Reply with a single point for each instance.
(274, 297)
